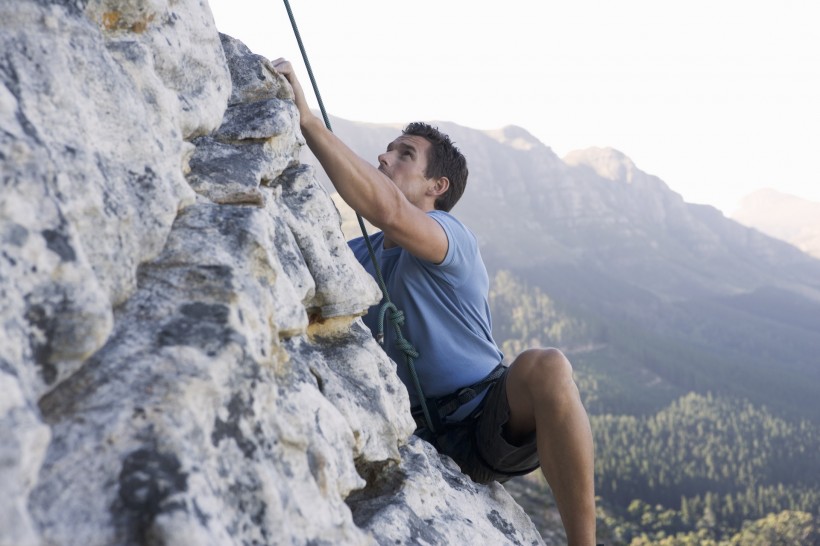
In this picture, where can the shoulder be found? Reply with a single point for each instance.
(453, 227)
(462, 243)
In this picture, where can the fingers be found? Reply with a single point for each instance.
(283, 66)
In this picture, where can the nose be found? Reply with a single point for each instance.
(383, 158)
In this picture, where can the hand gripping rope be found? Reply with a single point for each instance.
(396, 316)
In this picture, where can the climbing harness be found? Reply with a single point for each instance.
(446, 405)
(396, 315)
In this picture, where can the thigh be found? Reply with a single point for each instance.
(505, 457)
(535, 377)
(479, 445)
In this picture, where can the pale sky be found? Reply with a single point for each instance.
(718, 98)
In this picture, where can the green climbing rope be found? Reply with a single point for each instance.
(396, 315)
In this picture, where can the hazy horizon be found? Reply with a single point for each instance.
(718, 100)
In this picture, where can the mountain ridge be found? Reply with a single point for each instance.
(782, 216)
(672, 290)
(570, 202)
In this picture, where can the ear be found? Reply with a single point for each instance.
(439, 187)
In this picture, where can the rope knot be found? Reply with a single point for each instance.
(397, 317)
(388, 305)
(407, 348)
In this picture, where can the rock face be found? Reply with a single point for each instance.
(181, 359)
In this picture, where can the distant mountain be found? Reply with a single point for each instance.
(675, 296)
(783, 216)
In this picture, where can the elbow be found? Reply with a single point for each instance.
(387, 214)
(385, 220)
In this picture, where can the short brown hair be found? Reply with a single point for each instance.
(443, 159)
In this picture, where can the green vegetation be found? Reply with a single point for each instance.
(704, 465)
(644, 352)
(531, 318)
(786, 528)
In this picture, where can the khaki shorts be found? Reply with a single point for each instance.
(477, 443)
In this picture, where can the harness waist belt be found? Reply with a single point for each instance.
(447, 404)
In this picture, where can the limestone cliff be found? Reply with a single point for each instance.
(181, 359)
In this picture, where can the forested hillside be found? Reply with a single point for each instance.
(704, 463)
(702, 469)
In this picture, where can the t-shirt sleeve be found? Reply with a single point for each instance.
(462, 247)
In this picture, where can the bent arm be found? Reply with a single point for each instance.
(367, 190)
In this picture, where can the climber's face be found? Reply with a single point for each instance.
(405, 163)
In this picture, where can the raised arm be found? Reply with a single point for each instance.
(368, 190)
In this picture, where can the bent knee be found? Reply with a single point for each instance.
(544, 366)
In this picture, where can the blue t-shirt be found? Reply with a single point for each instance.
(447, 315)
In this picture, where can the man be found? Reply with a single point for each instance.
(532, 415)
